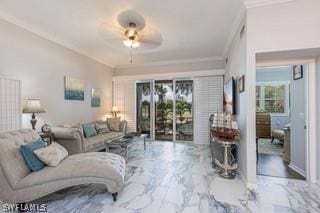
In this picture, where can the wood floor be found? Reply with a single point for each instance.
(273, 165)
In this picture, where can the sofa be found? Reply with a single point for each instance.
(73, 139)
(19, 185)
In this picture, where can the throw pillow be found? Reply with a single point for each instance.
(32, 161)
(101, 128)
(88, 130)
(114, 124)
(52, 155)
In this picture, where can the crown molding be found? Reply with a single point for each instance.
(234, 29)
(40, 33)
(261, 3)
(170, 75)
(170, 62)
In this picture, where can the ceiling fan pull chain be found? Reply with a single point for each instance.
(131, 57)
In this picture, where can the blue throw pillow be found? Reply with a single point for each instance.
(32, 161)
(89, 130)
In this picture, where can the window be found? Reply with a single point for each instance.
(273, 97)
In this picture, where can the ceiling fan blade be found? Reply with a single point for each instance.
(151, 36)
(131, 16)
(150, 42)
(108, 31)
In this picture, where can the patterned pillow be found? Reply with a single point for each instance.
(51, 155)
(114, 124)
(101, 127)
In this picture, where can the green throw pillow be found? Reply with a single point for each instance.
(88, 130)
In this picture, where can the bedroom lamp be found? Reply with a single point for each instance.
(115, 110)
(33, 106)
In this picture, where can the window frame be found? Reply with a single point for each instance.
(262, 98)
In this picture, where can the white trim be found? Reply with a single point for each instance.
(272, 68)
(311, 110)
(250, 186)
(311, 120)
(297, 169)
(261, 3)
(171, 76)
(170, 62)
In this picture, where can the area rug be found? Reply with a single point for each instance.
(266, 147)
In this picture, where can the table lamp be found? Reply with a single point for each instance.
(115, 110)
(33, 106)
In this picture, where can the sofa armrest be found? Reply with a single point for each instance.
(70, 138)
(123, 127)
(66, 133)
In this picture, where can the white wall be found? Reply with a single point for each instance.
(236, 67)
(288, 26)
(41, 66)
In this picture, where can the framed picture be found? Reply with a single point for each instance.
(241, 84)
(95, 97)
(229, 96)
(297, 72)
(73, 89)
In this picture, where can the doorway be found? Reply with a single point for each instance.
(164, 109)
(281, 139)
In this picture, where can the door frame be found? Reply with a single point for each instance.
(311, 110)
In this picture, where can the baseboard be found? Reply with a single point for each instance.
(297, 169)
(250, 186)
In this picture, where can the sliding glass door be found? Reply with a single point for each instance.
(184, 110)
(163, 105)
(165, 109)
(144, 108)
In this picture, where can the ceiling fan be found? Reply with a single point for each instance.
(130, 30)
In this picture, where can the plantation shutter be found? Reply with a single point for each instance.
(125, 100)
(10, 104)
(208, 98)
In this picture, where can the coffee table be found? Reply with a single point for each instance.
(125, 143)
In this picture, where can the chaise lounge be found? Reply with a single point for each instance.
(18, 184)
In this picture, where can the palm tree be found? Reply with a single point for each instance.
(182, 107)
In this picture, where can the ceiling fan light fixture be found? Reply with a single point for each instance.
(131, 43)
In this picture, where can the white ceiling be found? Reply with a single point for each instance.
(190, 29)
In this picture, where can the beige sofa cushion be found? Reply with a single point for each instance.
(100, 139)
(114, 124)
(11, 160)
(93, 164)
(52, 155)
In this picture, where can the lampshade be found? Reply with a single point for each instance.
(115, 109)
(33, 106)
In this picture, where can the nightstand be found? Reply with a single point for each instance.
(47, 137)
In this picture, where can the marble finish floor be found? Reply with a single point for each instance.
(172, 177)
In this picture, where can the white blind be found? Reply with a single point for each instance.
(125, 100)
(208, 98)
(10, 104)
